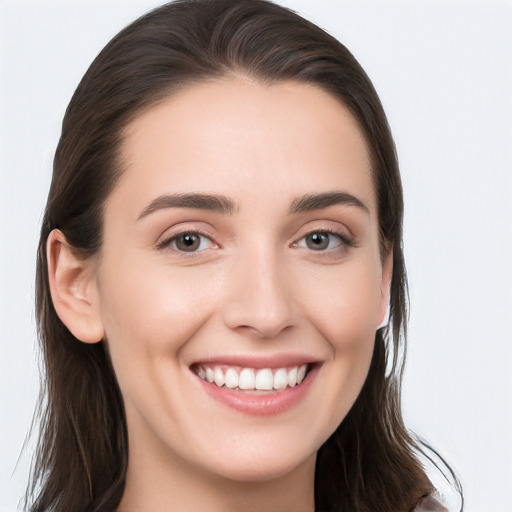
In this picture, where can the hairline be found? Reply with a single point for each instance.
(229, 74)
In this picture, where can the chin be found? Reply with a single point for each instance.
(264, 469)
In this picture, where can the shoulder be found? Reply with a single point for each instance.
(429, 504)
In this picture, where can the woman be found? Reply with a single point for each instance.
(220, 259)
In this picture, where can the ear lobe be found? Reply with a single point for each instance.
(73, 289)
(385, 288)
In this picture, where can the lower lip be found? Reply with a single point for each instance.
(265, 404)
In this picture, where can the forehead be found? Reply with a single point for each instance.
(236, 136)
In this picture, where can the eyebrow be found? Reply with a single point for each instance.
(212, 202)
(309, 202)
(222, 204)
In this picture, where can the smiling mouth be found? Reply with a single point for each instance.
(239, 378)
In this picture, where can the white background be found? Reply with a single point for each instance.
(443, 70)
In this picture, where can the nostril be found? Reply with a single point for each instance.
(258, 300)
(264, 330)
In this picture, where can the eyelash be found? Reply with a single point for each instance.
(343, 239)
(168, 242)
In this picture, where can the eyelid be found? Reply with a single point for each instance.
(167, 241)
(326, 225)
(343, 238)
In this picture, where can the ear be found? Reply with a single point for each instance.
(73, 289)
(385, 287)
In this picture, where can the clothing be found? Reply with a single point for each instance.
(429, 504)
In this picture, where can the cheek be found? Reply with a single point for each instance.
(349, 330)
(150, 312)
(346, 317)
(345, 305)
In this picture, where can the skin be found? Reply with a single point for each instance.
(253, 287)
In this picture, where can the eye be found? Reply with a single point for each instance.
(188, 241)
(322, 241)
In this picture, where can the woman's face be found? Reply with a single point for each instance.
(241, 245)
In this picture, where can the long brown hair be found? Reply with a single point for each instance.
(369, 463)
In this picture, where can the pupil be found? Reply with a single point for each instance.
(318, 241)
(188, 242)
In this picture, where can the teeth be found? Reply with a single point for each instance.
(247, 379)
(218, 377)
(301, 373)
(250, 379)
(280, 379)
(264, 380)
(292, 377)
(231, 379)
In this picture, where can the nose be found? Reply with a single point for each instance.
(260, 299)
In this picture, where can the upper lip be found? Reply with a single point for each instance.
(258, 360)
